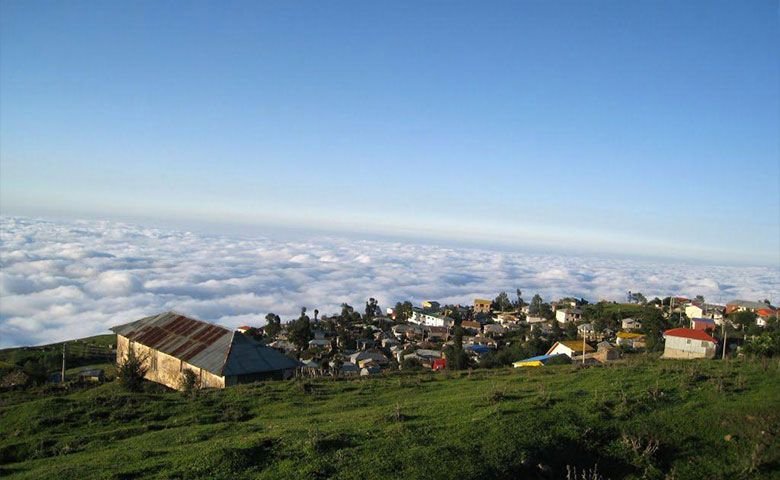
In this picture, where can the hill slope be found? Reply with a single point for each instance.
(651, 418)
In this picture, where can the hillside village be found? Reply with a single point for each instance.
(182, 352)
(432, 336)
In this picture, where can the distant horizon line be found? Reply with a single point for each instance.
(235, 227)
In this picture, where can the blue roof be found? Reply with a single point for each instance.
(542, 358)
(478, 348)
(705, 320)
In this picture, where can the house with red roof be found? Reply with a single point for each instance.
(689, 343)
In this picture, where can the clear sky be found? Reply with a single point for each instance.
(634, 127)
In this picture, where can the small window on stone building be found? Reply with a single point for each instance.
(153, 365)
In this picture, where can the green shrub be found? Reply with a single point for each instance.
(131, 371)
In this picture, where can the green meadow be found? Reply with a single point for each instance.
(642, 418)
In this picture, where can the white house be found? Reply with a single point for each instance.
(568, 315)
(688, 343)
(630, 324)
(505, 319)
(570, 348)
(421, 317)
(533, 320)
(694, 311)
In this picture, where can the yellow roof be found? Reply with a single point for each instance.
(576, 345)
(524, 363)
(629, 335)
(481, 300)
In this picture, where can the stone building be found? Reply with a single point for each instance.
(170, 343)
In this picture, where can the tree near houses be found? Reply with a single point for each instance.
(502, 302)
(403, 311)
(348, 315)
(535, 308)
(637, 298)
(456, 356)
(299, 332)
(273, 325)
(744, 319)
(571, 330)
(372, 308)
(520, 302)
(556, 331)
(453, 312)
(679, 319)
(653, 326)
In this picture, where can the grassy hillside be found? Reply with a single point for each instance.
(647, 418)
(83, 353)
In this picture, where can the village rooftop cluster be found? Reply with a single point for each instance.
(485, 334)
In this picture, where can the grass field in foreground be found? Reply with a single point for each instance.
(647, 418)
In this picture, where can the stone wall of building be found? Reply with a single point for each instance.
(163, 368)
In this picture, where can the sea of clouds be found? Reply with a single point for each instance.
(62, 280)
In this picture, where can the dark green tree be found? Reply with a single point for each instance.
(403, 311)
(502, 302)
(637, 297)
(372, 309)
(744, 319)
(457, 359)
(273, 325)
(299, 332)
(571, 330)
(653, 326)
(131, 371)
(35, 370)
(520, 302)
(556, 333)
(536, 306)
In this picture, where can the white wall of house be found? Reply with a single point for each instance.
(422, 318)
(630, 324)
(566, 316)
(561, 348)
(694, 311)
(681, 347)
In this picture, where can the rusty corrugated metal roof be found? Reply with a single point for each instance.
(211, 347)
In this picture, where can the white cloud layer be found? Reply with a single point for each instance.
(61, 280)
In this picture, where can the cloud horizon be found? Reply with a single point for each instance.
(70, 279)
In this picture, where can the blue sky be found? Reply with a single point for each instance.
(645, 128)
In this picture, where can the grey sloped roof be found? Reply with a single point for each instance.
(247, 356)
(748, 304)
(211, 347)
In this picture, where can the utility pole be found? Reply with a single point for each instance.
(725, 343)
(62, 374)
(583, 348)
